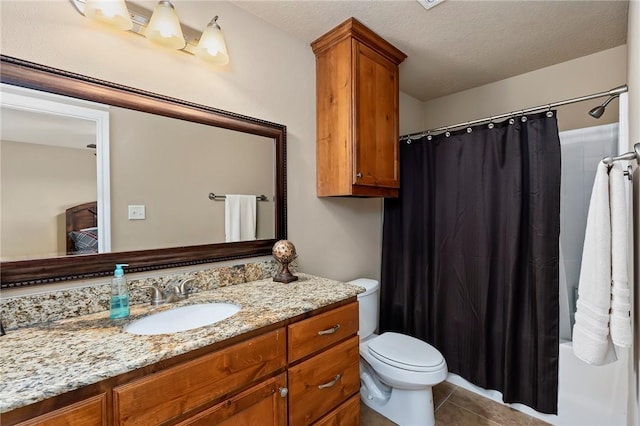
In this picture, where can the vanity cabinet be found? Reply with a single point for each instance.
(357, 147)
(297, 372)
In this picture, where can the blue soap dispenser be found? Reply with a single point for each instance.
(119, 293)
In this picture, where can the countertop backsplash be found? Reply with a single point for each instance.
(22, 311)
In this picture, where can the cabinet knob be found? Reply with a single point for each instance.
(283, 392)
(359, 175)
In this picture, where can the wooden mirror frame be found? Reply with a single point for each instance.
(20, 273)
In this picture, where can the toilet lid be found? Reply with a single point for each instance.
(405, 352)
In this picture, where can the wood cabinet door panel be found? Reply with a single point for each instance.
(318, 332)
(319, 384)
(334, 120)
(90, 412)
(348, 414)
(169, 393)
(376, 142)
(260, 405)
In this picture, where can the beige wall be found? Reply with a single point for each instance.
(411, 114)
(38, 184)
(599, 72)
(271, 76)
(170, 166)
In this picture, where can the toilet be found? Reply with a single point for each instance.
(397, 372)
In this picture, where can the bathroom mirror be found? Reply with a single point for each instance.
(220, 140)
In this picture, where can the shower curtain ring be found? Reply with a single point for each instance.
(469, 129)
(523, 118)
(490, 125)
(429, 137)
(447, 133)
(549, 112)
(511, 120)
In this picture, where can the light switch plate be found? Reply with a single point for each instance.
(136, 212)
(428, 4)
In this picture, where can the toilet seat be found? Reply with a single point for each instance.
(406, 352)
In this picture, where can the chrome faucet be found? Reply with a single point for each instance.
(157, 298)
(173, 293)
(182, 288)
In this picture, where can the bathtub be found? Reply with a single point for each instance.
(587, 395)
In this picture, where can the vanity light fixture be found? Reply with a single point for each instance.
(113, 13)
(164, 26)
(161, 27)
(212, 47)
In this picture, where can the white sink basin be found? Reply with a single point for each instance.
(182, 318)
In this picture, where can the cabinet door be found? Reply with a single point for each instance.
(90, 412)
(376, 142)
(262, 405)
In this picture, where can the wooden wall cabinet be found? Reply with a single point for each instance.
(357, 147)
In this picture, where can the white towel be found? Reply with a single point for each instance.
(240, 217)
(591, 341)
(620, 321)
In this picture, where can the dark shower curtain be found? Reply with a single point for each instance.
(470, 254)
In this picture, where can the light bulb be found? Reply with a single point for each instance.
(164, 26)
(211, 46)
(111, 12)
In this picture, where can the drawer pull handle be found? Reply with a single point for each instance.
(329, 330)
(283, 392)
(331, 383)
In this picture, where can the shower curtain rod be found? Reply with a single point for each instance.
(613, 92)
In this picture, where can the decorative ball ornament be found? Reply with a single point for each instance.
(284, 252)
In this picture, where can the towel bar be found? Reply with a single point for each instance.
(213, 196)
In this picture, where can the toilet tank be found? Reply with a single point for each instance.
(367, 306)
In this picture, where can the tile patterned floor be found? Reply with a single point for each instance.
(456, 406)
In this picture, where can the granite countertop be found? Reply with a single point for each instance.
(48, 359)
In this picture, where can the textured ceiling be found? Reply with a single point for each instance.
(458, 45)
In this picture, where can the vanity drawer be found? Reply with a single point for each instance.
(321, 383)
(167, 394)
(348, 414)
(315, 333)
